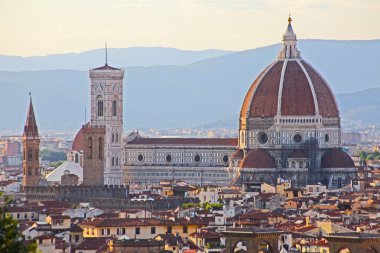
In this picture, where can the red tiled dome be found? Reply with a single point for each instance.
(78, 141)
(295, 87)
(258, 158)
(238, 154)
(336, 158)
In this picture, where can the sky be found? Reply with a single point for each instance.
(42, 27)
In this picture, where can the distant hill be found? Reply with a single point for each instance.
(125, 57)
(195, 94)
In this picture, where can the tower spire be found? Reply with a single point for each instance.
(30, 128)
(289, 43)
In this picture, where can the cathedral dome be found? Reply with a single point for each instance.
(258, 159)
(289, 87)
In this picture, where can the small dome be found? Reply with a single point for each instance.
(258, 158)
(238, 154)
(78, 141)
(336, 158)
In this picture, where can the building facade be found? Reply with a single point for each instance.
(289, 126)
(107, 111)
(195, 160)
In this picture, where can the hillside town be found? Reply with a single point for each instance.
(179, 217)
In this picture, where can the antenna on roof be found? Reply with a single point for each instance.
(106, 53)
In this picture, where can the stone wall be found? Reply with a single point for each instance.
(75, 194)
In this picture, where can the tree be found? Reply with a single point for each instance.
(11, 240)
(52, 156)
(363, 155)
(187, 205)
(370, 157)
(217, 206)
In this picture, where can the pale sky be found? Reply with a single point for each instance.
(41, 27)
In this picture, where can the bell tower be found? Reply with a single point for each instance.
(31, 150)
(107, 111)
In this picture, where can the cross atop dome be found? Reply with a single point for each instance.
(289, 42)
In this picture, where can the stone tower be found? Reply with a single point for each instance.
(93, 154)
(107, 110)
(31, 150)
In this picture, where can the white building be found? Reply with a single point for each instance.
(10, 187)
(197, 161)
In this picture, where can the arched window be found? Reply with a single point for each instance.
(114, 108)
(339, 182)
(30, 154)
(293, 164)
(100, 148)
(100, 106)
(89, 146)
(30, 171)
(76, 159)
(113, 161)
(117, 138)
(117, 161)
(113, 138)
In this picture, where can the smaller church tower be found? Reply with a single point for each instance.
(31, 150)
(93, 154)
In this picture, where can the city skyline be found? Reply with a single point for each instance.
(53, 27)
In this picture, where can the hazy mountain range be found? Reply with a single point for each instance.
(125, 57)
(168, 88)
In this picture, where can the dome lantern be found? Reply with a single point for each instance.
(289, 44)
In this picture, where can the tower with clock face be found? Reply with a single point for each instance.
(107, 111)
